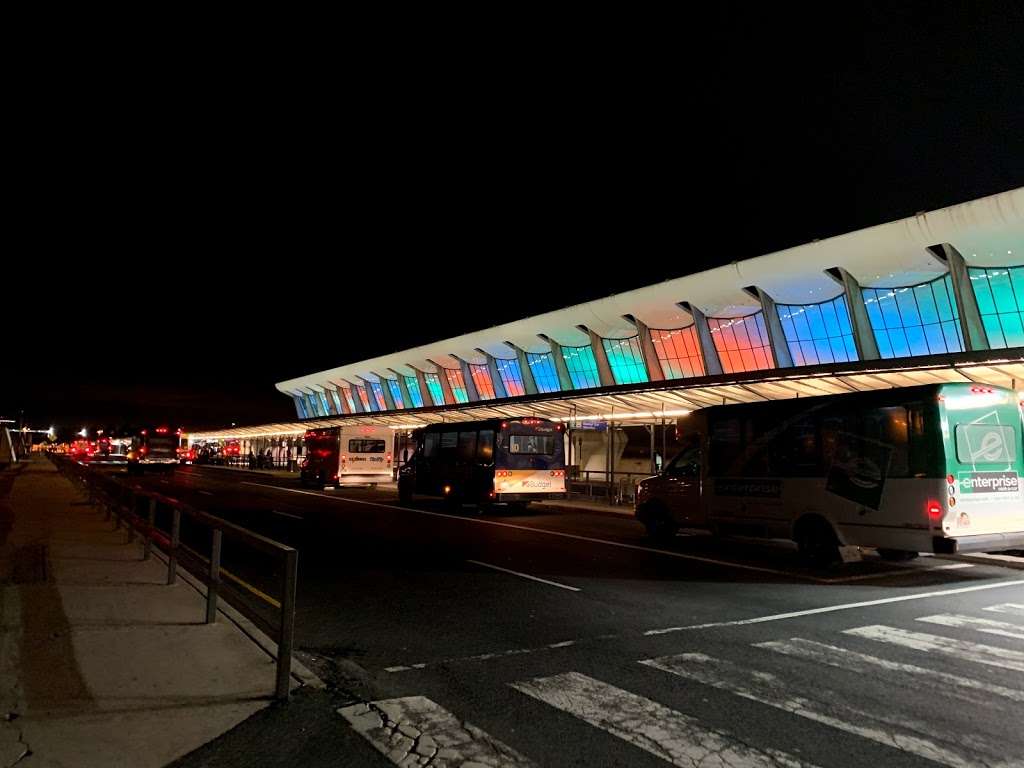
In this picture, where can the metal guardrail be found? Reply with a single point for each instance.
(140, 512)
(615, 487)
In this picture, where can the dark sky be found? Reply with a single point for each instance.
(192, 231)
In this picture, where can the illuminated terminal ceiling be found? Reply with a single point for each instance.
(935, 297)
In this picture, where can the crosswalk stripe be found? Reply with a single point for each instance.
(988, 626)
(414, 731)
(653, 727)
(913, 737)
(1014, 609)
(854, 661)
(961, 649)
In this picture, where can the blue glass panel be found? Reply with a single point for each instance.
(815, 327)
(582, 367)
(396, 392)
(337, 401)
(413, 385)
(543, 369)
(300, 407)
(626, 360)
(434, 387)
(914, 320)
(511, 376)
(1000, 295)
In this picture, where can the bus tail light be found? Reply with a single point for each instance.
(934, 510)
(447, 490)
(388, 458)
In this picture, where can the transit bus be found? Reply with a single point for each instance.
(353, 455)
(153, 448)
(935, 468)
(503, 461)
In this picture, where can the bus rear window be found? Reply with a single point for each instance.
(985, 444)
(531, 444)
(365, 445)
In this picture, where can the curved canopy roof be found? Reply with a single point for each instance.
(987, 232)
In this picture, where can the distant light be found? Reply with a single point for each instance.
(84, 432)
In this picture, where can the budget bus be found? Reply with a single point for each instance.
(153, 448)
(354, 455)
(934, 468)
(504, 461)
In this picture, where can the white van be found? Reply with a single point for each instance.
(354, 455)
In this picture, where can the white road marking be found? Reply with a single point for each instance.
(842, 607)
(653, 727)
(951, 567)
(880, 725)
(988, 626)
(948, 646)
(1001, 558)
(862, 663)
(1014, 609)
(577, 537)
(414, 731)
(205, 493)
(489, 656)
(285, 514)
(524, 575)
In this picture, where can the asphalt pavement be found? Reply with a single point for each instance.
(558, 638)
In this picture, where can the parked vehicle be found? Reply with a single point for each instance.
(936, 468)
(355, 455)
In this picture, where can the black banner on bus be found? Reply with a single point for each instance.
(859, 469)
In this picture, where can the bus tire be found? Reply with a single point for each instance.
(816, 541)
(658, 522)
(897, 555)
(404, 492)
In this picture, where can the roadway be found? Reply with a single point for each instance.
(565, 638)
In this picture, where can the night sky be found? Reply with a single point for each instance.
(195, 231)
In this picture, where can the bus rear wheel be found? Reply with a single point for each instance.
(897, 555)
(817, 542)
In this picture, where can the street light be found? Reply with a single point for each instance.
(84, 432)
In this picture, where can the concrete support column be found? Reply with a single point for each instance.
(389, 400)
(356, 400)
(651, 359)
(712, 363)
(776, 335)
(529, 382)
(604, 368)
(863, 335)
(564, 380)
(467, 376)
(492, 369)
(446, 387)
(403, 388)
(971, 326)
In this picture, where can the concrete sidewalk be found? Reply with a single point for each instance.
(101, 663)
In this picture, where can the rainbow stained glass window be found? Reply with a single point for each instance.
(626, 360)
(347, 392)
(328, 403)
(915, 319)
(412, 384)
(378, 395)
(511, 376)
(363, 398)
(482, 381)
(582, 367)
(396, 392)
(434, 388)
(818, 333)
(542, 366)
(1000, 295)
(336, 399)
(300, 407)
(678, 349)
(742, 343)
(457, 383)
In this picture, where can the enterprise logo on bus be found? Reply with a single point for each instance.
(989, 482)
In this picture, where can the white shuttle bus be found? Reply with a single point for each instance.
(353, 455)
(936, 468)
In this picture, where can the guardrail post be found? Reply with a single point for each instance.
(151, 521)
(213, 587)
(284, 640)
(172, 554)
